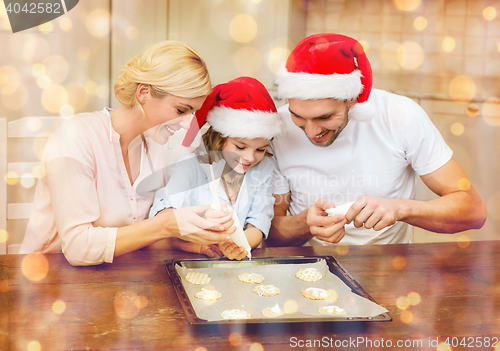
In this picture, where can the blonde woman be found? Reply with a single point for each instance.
(86, 205)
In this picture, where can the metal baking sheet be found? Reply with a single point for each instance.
(278, 272)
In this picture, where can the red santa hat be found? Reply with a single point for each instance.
(240, 108)
(325, 66)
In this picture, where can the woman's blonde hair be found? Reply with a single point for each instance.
(170, 67)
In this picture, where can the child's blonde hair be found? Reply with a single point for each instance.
(170, 67)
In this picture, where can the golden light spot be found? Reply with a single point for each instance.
(290, 306)
(243, 28)
(35, 49)
(77, 95)
(462, 89)
(256, 1)
(4, 236)
(125, 304)
(247, 61)
(491, 112)
(83, 53)
(65, 24)
(443, 347)
(413, 298)
(472, 110)
(464, 184)
(498, 46)
(66, 111)
(103, 91)
(34, 124)
(4, 285)
(59, 306)
(420, 23)
(98, 23)
(448, 44)
(54, 97)
(38, 171)
(342, 249)
(410, 55)
(365, 45)
(141, 302)
(277, 56)
(43, 82)
(493, 206)
(132, 33)
(457, 128)
(91, 87)
(389, 55)
(399, 262)
(407, 5)
(235, 339)
(34, 346)
(332, 296)
(9, 74)
(57, 68)
(11, 178)
(402, 302)
(46, 28)
(490, 13)
(35, 267)
(200, 348)
(497, 346)
(38, 69)
(27, 180)
(14, 96)
(256, 347)
(463, 241)
(406, 317)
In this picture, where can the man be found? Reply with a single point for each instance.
(346, 143)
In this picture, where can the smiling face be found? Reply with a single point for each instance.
(241, 154)
(322, 120)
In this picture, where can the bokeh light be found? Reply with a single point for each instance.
(14, 96)
(66, 111)
(9, 74)
(132, 33)
(102, 91)
(399, 262)
(256, 347)
(243, 28)
(27, 180)
(493, 206)
(33, 50)
(65, 24)
(235, 339)
(35, 267)
(91, 87)
(46, 28)
(11, 178)
(402, 302)
(462, 89)
(58, 307)
(443, 347)
(277, 57)
(464, 184)
(43, 82)
(410, 55)
(491, 112)
(463, 241)
(200, 348)
(54, 97)
(34, 346)
(365, 45)
(389, 55)
(457, 128)
(77, 95)
(4, 236)
(256, 1)
(56, 68)
(38, 69)
(448, 44)
(407, 5)
(342, 249)
(420, 23)
(38, 171)
(498, 46)
(125, 304)
(406, 317)
(472, 110)
(290, 306)
(247, 61)
(98, 23)
(490, 13)
(413, 298)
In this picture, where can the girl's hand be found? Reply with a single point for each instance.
(217, 216)
(233, 251)
(208, 250)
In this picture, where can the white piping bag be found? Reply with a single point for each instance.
(341, 209)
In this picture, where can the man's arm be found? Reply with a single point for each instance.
(457, 208)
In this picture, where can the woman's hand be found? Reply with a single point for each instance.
(233, 251)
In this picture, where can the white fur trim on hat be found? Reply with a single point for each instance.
(306, 86)
(244, 123)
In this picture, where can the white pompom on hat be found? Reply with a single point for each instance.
(240, 108)
(326, 66)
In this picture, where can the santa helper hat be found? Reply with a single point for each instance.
(325, 66)
(240, 108)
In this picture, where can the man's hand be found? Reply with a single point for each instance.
(329, 229)
(373, 212)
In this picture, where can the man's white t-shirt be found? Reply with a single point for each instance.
(377, 157)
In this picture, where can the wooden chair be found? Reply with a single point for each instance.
(13, 169)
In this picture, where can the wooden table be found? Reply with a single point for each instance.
(131, 304)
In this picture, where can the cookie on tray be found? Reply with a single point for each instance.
(198, 278)
(208, 295)
(315, 294)
(266, 290)
(332, 310)
(309, 274)
(251, 278)
(272, 312)
(235, 314)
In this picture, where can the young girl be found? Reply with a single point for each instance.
(243, 119)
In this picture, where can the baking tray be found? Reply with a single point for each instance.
(332, 264)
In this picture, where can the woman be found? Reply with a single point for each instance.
(86, 205)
